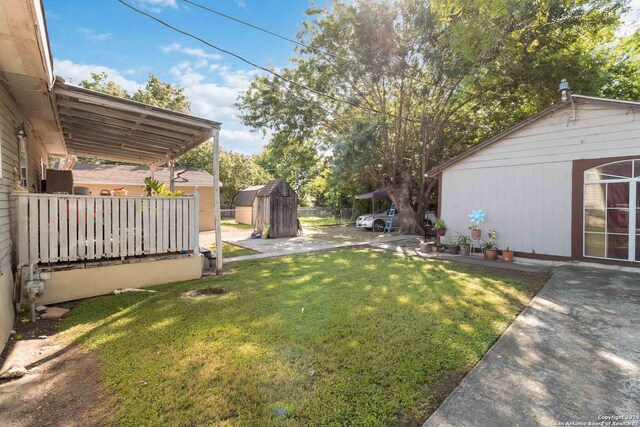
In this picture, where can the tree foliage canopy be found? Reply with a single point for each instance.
(408, 84)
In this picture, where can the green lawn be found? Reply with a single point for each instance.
(315, 221)
(355, 337)
(233, 224)
(230, 250)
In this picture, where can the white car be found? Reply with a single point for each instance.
(377, 221)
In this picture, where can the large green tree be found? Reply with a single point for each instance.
(401, 86)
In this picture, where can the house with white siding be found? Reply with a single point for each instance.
(562, 185)
(57, 245)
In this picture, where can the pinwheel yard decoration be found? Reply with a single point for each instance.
(476, 217)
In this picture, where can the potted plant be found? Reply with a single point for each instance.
(476, 233)
(435, 247)
(464, 242)
(441, 227)
(490, 250)
(451, 247)
(507, 255)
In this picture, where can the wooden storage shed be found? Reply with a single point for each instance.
(277, 206)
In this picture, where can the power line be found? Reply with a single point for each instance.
(290, 40)
(241, 58)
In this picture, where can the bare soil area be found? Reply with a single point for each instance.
(62, 387)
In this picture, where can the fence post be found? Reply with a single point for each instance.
(196, 222)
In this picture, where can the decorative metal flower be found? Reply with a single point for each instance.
(477, 216)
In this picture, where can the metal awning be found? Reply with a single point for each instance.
(107, 127)
(377, 194)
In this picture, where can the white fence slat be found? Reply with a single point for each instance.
(23, 230)
(186, 224)
(194, 227)
(34, 215)
(73, 229)
(99, 228)
(108, 251)
(159, 222)
(53, 230)
(123, 227)
(63, 227)
(44, 230)
(144, 207)
(82, 228)
(178, 224)
(115, 224)
(131, 227)
(172, 225)
(91, 238)
(153, 214)
(138, 213)
(165, 226)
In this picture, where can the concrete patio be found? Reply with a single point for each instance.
(571, 356)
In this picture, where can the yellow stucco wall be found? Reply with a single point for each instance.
(7, 312)
(89, 282)
(206, 198)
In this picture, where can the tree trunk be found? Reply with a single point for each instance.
(400, 193)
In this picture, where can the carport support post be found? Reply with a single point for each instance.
(215, 140)
(172, 175)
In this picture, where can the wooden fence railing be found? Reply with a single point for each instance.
(58, 228)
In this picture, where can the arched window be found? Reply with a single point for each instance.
(612, 211)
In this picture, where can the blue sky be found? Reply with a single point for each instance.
(103, 35)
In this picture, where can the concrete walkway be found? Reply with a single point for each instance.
(573, 355)
(297, 245)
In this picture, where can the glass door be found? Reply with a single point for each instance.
(612, 211)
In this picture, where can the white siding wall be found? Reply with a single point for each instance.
(523, 182)
(10, 117)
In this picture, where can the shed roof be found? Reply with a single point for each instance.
(579, 99)
(269, 187)
(247, 196)
(95, 124)
(135, 175)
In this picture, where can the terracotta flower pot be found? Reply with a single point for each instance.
(465, 250)
(435, 248)
(441, 231)
(491, 254)
(507, 256)
(476, 234)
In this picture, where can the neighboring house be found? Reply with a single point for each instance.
(82, 246)
(131, 178)
(246, 205)
(562, 185)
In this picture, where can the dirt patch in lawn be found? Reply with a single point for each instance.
(62, 386)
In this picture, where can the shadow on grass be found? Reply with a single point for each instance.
(351, 336)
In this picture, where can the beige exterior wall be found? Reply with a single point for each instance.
(523, 182)
(206, 198)
(90, 282)
(7, 313)
(246, 214)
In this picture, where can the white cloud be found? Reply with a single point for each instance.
(214, 101)
(90, 35)
(156, 5)
(197, 52)
(75, 73)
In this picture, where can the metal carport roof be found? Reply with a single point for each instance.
(95, 124)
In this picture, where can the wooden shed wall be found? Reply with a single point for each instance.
(279, 209)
